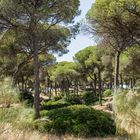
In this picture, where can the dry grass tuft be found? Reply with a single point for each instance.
(8, 94)
(127, 110)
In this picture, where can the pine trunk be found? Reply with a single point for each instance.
(116, 74)
(100, 86)
(36, 84)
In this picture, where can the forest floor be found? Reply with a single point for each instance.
(106, 106)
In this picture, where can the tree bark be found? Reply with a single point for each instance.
(111, 82)
(121, 81)
(22, 83)
(116, 74)
(67, 85)
(131, 83)
(50, 92)
(75, 86)
(55, 88)
(95, 83)
(36, 83)
(100, 86)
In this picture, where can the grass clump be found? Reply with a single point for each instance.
(8, 115)
(19, 117)
(79, 120)
(25, 119)
(126, 106)
(8, 94)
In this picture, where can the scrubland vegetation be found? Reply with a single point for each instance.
(97, 96)
(127, 115)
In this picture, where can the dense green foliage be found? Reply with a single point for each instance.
(89, 98)
(26, 97)
(79, 120)
(54, 104)
(61, 102)
(74, 100)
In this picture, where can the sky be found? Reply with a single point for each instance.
(81, 40)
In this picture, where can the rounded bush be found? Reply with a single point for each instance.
(89, 98)
(80, 120)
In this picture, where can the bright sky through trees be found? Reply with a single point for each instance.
(81, 40)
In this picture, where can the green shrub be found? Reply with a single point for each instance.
(74, 100)
(53, 104)
(56, 98)
(79, 120)
(107, 93)
(89, 98)
(26, 97)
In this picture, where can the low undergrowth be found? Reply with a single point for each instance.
(8, 93)
(54, 104)
(61, 117)
(19, 117)
(79, 120)
(126, 106)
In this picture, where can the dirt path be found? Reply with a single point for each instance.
(106, 107)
